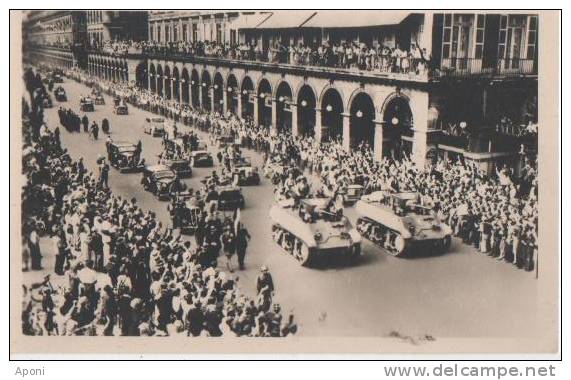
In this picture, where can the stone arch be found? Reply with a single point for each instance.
(206, 83)
(185, 86)
(398, 121)
(361, 120)
(195, 88)
(247, 89)
(168, 82)
(160, 80)
(325, 90)
(332, 108)
(264, 99)
(306, 100)
(176, 84)
(232, 89)
(218, 92)
(283, 100)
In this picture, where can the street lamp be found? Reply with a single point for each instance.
(303, 103)
(262, 95)
(359, 113)
(329, 108)
(245, 92)
(193, 82)
(229, 89)
(463, 124)
(281, 99)
(394, 121)
(216, 87)
(203, 84)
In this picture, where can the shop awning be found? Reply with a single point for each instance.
(355, 19)
(286, 19)
(249, 21)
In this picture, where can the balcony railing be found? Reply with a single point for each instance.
(468, 67)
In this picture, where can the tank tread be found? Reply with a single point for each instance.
(291, 244)
(382, 236)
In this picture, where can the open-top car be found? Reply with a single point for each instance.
(154, 126)
(47, 101)
(230, 197)
(124, 157)
(121, 108)
(162, 182)
(60, 94)
(244, 173)
(179, 166)
(99, 100)
(86, 104)
(201, 158)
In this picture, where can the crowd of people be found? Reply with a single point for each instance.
(413, 61)
(118, 271)
(497, 214)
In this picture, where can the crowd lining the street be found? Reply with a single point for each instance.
(497, 214)
(118, 271)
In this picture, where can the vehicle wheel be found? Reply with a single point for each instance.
(400, 246)
(303, 254)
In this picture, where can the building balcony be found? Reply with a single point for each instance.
(474, 67)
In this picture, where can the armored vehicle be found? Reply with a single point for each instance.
(312, 228)
(398, 223)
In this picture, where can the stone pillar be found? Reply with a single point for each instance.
(225, 100)
(318, 127)
(211, 93)
(346, 131)
(256, 116)
(200, 96)
(420, 117)
(239, 106)
(294, 126)
(426, 38)
(274, 127)
(378, 140)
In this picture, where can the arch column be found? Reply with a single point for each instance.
(378, 140)
(294, 126)
(211, 94)
(318, 127)
(224, 101)
(256, 116)
(346, 131)
(274, 127)
(239, 107)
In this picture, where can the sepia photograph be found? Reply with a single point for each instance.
(284, 181)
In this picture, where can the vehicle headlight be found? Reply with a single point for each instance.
(318, 236)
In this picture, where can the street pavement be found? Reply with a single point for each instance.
(458, 294)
